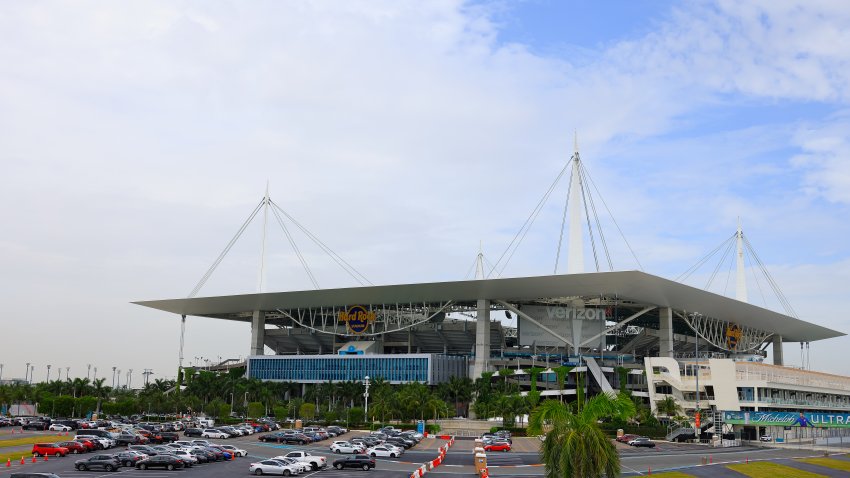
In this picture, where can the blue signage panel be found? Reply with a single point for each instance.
(789, 419)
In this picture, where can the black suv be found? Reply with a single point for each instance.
(104, 462)
(193, 432)
(356, 461)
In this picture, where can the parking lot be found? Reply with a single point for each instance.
(386, 468)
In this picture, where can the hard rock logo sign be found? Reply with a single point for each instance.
(357, 318)
(733, 336)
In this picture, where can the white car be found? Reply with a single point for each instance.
(201, 443)
(272, 467)
(382, 450)
(345, 447)
(767, 438)
(300, 465)
(185, 456)
(213, 433)
(234, 451)
(58, 427)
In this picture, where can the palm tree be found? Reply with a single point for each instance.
(668, 406)
(575, 446)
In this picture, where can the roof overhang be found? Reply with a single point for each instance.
(635, 286)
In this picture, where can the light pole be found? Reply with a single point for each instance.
(118, 382)
(366, 398)
(48, 373)
(698, 428)
(94, 377)
(113, 376)
(88, 372)
(231, 404)
(27, 373)
(129, 378)
(67, 373)
(32, 373)
(1, 373)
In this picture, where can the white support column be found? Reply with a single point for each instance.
(482, 339)
(258, 332)
(777, 350)
(665, 329)
(575, 248)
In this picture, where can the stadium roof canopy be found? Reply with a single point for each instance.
(639, 287)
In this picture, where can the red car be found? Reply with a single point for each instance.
(88, 444)
(40, 449)
(626, 438)
(497, 447)
(73, 446)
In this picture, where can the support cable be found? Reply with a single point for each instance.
(729, 273)
(611, 215)
(589, 227)
(295, 248)
(528, 222)
(684, 276)
(771, 281)
(758, 283)
(717, 268)
(471, 268)
(227, 248)
(348, 268)
(563, 221)
(598, 224)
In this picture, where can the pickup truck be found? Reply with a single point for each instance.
(315, 461)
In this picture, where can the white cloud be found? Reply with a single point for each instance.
(137, 137)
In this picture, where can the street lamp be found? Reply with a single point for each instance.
(27, 373)
(129, 378)
(366, 397)
(88, 372)
(32, 373)
(94, 377)
(67, 373)
(1, 373)
(118, 383)
(113, 376)
(48, 373)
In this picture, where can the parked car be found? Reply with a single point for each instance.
(363, 462)
(273, 467)
(147, 450)
(766, 438)
(169, 462)
(498, 446)
(168, 437)
(193, 432)
(36, 425)
(233, 450)
(89, 444)
(214, 433)
(301, 466)
(129, 458)
(73, 447)
(45, 449)
(382, 450)
(98, 462)
(346, 447)
(58, 427)
(642, 442)
(316, 462)
(626, 438)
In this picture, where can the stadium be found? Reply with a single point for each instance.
(619, 330)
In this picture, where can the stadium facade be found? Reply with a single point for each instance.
(625, 330)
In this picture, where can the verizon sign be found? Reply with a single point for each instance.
(574, 324)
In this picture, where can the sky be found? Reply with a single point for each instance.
(136, 137)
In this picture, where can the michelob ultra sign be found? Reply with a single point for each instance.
(357, 318)
(789, 419)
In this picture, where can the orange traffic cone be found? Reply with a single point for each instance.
(33, 458)
(22, 460)
(8, 462)
(45, 457)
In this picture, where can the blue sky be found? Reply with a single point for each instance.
(136, 138)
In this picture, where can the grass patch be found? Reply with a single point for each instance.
(828, 463)
(771, 470)
(32, 440)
